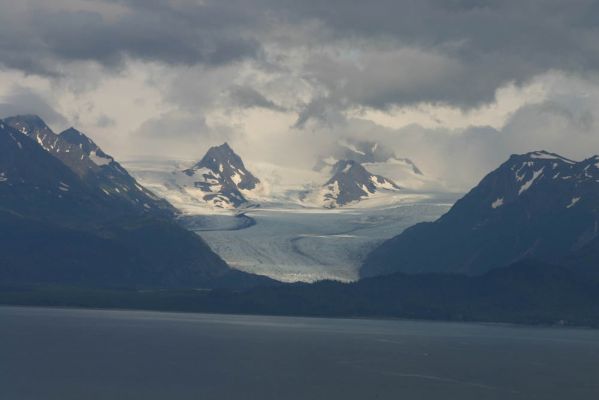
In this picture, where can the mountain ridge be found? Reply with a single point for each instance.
(56, 228)
(351, 182)
(535, 205)
(96, 168)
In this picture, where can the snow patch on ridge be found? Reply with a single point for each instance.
(99, 160)
(543, 155)
(529, 183)
(573, 202)
(385, 184)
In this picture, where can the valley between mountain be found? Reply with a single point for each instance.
(297, 225)
(299, 244)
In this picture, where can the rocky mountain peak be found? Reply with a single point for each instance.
(26, 123)
(352, 182)
(222, 177)
(97, 169)
(75, 137)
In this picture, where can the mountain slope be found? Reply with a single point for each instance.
(351, 182)
(95, 168)
(56, 228)
(136, 253)
(537, 205)
(220, 178)
(34, 183)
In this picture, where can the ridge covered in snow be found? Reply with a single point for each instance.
(539, 169)
(350, 183)
(219, 179)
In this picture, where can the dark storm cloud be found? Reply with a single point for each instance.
(536, 31)
(462, 51)
(35, 39)
(373, 53)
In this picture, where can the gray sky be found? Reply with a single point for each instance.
(456, 85)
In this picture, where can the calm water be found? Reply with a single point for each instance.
(79, 354)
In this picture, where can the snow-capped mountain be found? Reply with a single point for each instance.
(364, 152)
(96, 168)
(536, 205)
(380, 160)
(221, 179)
(351, 182)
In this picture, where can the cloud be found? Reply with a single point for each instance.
(39, 38)
(22, 100)
(178, 135)
(454, 52)
(460, 158)
(457, 84)
(105, 121)
(248, 97)
(322, 111)
(374, 54)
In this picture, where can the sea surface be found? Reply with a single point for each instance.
(98, 354)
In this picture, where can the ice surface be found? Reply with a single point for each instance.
(298, 244)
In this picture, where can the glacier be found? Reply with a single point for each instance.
(290, 240)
